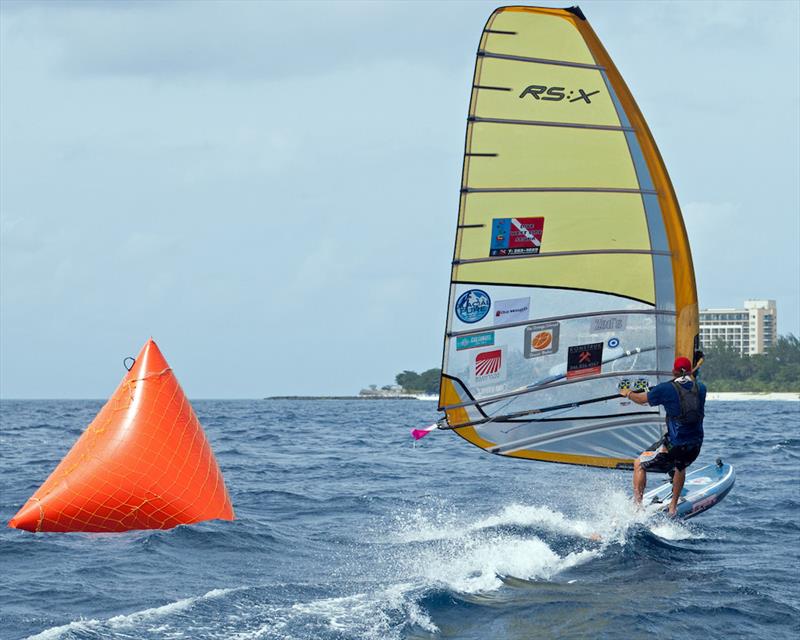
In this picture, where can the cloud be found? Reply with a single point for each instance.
(230, 41)
(270, 189)
(736, 256)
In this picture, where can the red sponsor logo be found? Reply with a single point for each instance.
(488, 363)
(514, 236)
(526, 233)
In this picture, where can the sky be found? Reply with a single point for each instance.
(270, 190)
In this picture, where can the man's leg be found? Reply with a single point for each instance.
(639, 481)
(677, 486)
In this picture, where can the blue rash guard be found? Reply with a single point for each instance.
(665, 394)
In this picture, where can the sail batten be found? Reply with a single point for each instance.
(546, 123)
(555, 436)
(571, 274)
(587, 314)
(483, 402)
(555, 189)
(561, 63)
(583, 252)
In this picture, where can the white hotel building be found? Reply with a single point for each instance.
(751, 330)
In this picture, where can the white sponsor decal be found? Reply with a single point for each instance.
(609, 323)
(489, 366)
(514, 310)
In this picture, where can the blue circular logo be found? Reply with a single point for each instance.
(473, 305)
(613, 343)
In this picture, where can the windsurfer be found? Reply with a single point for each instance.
(684, 400)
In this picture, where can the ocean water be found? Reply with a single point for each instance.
(346, 530)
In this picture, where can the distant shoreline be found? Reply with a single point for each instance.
(739, 396)
(369, 397)
(721, 396)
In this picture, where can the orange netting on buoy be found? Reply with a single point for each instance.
(143, 463)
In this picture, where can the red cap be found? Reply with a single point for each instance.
(682, 364)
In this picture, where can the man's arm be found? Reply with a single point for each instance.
(639, 397)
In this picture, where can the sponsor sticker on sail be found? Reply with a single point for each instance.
(489, 367)
(516, 236)
(541, 339)
(474, 341)
(472, 306)
(609, 323)
(584, 359)
(513, 310)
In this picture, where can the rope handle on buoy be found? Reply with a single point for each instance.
(125, 363)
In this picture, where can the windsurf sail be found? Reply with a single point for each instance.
(572, 275)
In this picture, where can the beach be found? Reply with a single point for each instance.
(744, 396)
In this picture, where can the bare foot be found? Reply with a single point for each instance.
(595, 537)
(673, 510)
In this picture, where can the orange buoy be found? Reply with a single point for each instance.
(143, 463)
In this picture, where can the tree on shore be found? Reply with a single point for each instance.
(725, 369)
(425, 382)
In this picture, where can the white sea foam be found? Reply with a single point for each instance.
(606, 515)
(127, 620)
(381, 614)
(463, 557)
(377, 615)
(419, 526)
(618, 515)
(673, 531)
(469, 555)
(476, 566)
(443, 550)
(138, 617)
(56, 632)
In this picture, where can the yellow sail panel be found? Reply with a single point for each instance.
(529, 91)
(626, 275)
(576, 221)
(566, 458)
(542, 34)
(449, 396)
(526, 156)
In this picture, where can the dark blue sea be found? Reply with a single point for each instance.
(345, 530)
